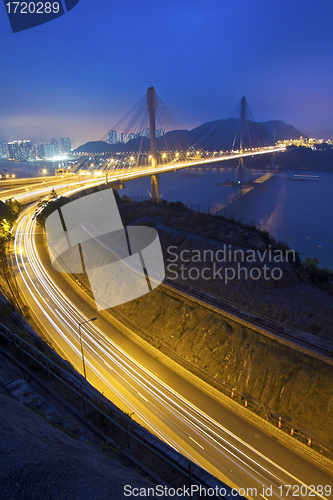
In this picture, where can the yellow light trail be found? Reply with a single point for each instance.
(162, 409)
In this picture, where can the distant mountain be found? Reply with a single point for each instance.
(217, 135)
(325, 134)
(283, 130)
(225, 134)
(308, 133)
(94, 147)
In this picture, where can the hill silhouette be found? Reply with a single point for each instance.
(216, 135)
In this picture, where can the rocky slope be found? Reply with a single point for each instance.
(40, 461)
(291, 384)
(185, 238)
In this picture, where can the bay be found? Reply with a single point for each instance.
(294, 210)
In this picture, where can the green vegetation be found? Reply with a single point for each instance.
(312, 273)
(303, 157)
(299, 157)
(10, 210)
(308, 271)
(8, 214)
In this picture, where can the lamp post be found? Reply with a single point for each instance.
(80, 324)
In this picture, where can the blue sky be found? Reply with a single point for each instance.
(78, 74)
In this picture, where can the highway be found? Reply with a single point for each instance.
(139, 379)
(30, 192)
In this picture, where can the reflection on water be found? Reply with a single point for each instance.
(292, 209)
(201, 185)
(295, 209)
(27, 168)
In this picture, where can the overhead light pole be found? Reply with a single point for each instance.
(80, 324)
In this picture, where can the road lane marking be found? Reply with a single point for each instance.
(143, 397)
(107, 364)
(189, 436)
(196, 443)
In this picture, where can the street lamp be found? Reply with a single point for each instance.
(80, 324)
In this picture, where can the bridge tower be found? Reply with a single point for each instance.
(273, 160)
(241, 173)
(155, 181)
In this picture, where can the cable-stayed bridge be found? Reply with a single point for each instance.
(154, 144)
(158, 146)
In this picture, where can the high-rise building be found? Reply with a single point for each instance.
(4, 150)
(65, 145)
(56, 146)
(122, 138)
(146, 132)
(41, 151)
(20, 150)
(159, 132)
(131, 136)
(49, 150)
(112, 137)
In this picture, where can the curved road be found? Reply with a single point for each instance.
(139, 379)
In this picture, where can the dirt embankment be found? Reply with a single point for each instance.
(40, 461)
(258, 277)
(296, 386)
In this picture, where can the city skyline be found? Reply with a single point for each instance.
(24, 149)
(201, 59)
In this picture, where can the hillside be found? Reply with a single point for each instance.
(213, 136)
(300, 157)
(40, 461)
(326, 134)
(283, 130)
(95, 147)
(225, 352)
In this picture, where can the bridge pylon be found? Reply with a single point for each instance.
(240, 170)
(155, 181)
(273, 159)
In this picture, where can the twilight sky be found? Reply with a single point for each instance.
(77, 75)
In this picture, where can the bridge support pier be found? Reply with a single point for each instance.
(240, 171)
(155, 188)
